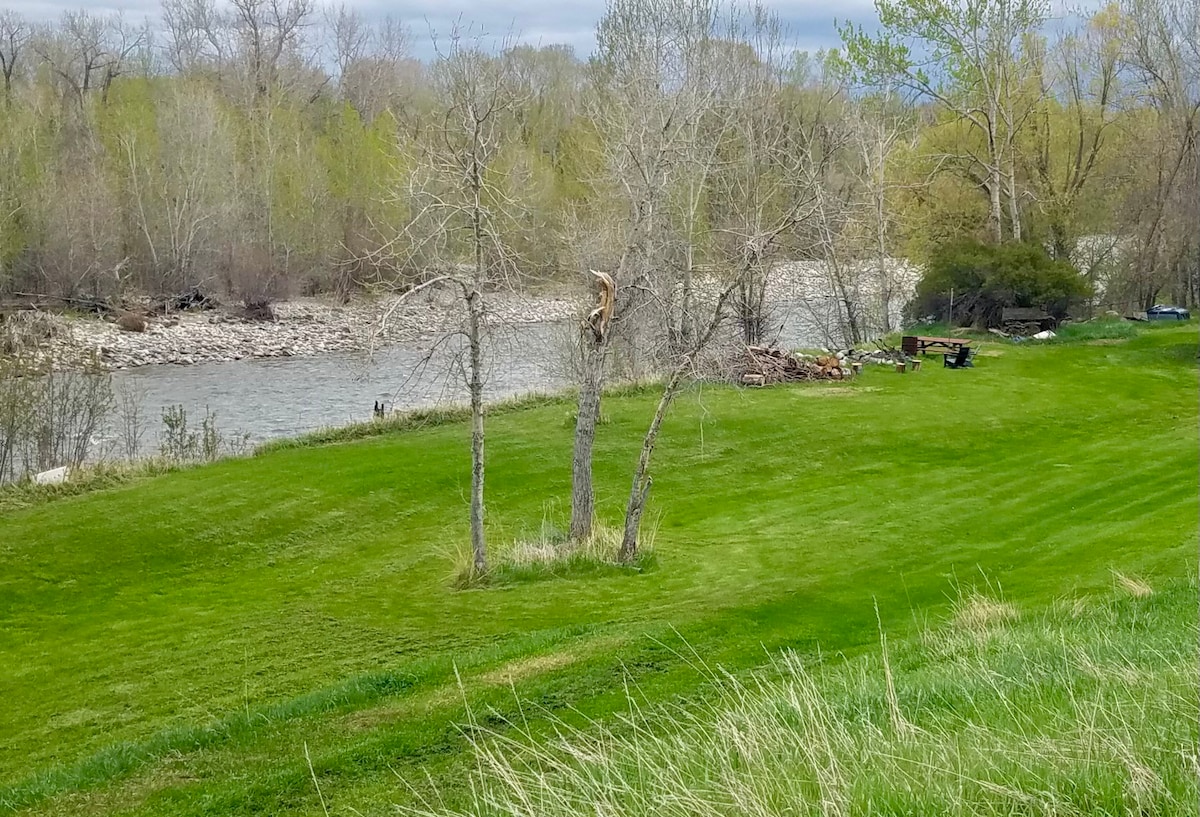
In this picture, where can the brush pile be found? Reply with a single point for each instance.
(761, 366)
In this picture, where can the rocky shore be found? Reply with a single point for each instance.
(302, 327)
(314, 326)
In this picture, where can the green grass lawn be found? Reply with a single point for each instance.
(175, 646)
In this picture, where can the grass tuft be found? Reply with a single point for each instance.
(981, 616)
(550, 553)
(1132, 585)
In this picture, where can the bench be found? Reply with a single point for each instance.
(960, 359)
(913, 345)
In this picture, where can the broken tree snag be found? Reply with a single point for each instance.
(600, 317)
(593, 336)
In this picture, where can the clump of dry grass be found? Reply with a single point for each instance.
(1132, 585)
(982, 615)
(550, 552)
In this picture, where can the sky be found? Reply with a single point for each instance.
(811, 23)
(537, 22)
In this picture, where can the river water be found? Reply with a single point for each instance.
(282, 397)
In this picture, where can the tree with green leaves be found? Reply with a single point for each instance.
(969, 57)
(982, 279)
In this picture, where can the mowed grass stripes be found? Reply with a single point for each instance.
(170, 646)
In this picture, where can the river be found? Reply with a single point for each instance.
(281, 397)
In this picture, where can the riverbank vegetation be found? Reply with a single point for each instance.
(213, 640)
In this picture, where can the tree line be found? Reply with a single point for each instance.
(272, 147)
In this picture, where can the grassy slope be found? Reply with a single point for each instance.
(1087, 707)
(170, 647)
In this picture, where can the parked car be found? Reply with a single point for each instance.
(1159, 312)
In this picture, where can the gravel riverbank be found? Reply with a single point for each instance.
(305, 327)
(302, 327)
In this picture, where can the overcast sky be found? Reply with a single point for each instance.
(544, 22)
(811, 23)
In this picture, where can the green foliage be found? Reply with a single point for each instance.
(986, 278)
(171, 643)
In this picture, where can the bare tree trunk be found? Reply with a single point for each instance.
(593, 342)
(1014, 204)
(474, 332)
(641, 477)
(995, 221)
(995, 180)
(583, 495)
(885, 278)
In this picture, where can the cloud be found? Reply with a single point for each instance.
(537, 22)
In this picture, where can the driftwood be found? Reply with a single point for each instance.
(184, 301)
(37, 300)
(762, 365)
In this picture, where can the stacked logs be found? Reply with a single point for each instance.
(762, 366)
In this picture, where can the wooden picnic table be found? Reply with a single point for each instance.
(920, 344)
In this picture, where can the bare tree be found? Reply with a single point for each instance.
(1162, 51)
(15, 34)
(181, 188)
(879, 129)
(457, 192)
(199, 36)
(762, 177)
(265, 30)
(593, 343)
(750, 256)
(648, 101)
(1081, 98)
(88, 51)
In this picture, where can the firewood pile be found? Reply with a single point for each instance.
(763, 366)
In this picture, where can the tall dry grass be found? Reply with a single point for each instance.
(1087, 709)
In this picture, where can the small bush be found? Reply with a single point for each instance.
(258, 309)
(985, 279)
(131, 322)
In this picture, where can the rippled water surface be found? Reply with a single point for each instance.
(281, 397)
